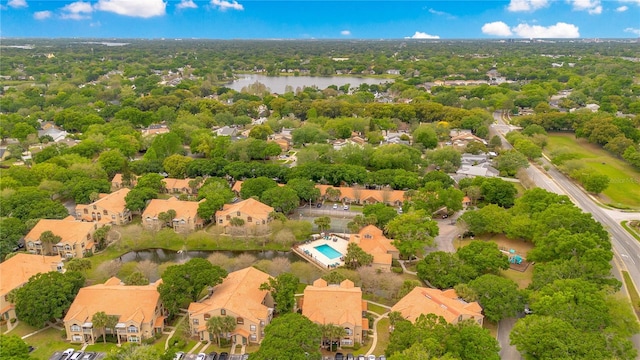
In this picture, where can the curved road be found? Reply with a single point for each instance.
(626, 248)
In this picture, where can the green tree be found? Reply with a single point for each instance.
(356, 257)
(99, 320)
(498, 191)
(12, 347)
(444, 270)
(382, 212)
(305, 189)
(182, 284)
(484, 256)
(283, 289)
(78, 264)
(323, 223)
(151, 181)
(510, 161)
(112, 161)
(412, 231)
(133, 351)
(11, 230)
(136, 278)
(176, 165)
(595, 183)
(499, 297)
(425, 135)
(46, 296)
(281, 198)
(218, 325)
(261, 132)
(257, 186)
(290, 337)
(334, 277)
(136, 199)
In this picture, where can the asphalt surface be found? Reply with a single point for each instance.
(626, 248)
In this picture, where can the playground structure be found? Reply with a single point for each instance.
(516, 261)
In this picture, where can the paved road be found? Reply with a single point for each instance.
(507, 352)
(626, 248)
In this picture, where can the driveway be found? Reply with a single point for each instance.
(448, 234)
(507, 351)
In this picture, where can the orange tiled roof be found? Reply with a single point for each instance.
(333, 304)
(251, 207)
(70, 230)
(372, 241)
(384, 196)
(130, 303)
(423, 300)
(238, 293)
(183, 209)
(171, 183)
(113, 202)
(16, 271)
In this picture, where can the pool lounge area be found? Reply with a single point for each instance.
(326, 251)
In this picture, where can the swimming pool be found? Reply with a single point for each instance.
(328, 251)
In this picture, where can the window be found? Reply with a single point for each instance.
(132, 329)
(75, 328)
(94, 207)
(105, 212)
(67, 247)
(252, 327)
(76, 338)
(253, 337)
(348, 331)
(238, 213)
(113, 217)
(223, 312)
(86, 211)
(262, 323)
(207, 316)
(347, 342)
(196, 322)
(228, 217)
(134, 339)
(240, 321)
(249, 219)
(220, 221)
(30, 244)
(460, 318)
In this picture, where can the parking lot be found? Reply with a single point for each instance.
(59, 355)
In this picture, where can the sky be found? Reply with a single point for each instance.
(316, 19)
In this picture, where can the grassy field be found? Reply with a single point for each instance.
(491, 326)
(48, 342)
(376, 309)
(623, 190)
(633, 293)
(382, 329)
(630, 230)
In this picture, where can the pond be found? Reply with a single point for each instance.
(160, 256)
(279, 84)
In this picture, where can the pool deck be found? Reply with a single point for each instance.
(308, 251)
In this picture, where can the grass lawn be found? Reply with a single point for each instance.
(633, 293)
(22, 329)
(383, 336)
(523, 279)
(48, 342)
(376, 309)
(623, 187)
(521, 247)
(378, 299)
(99, 346)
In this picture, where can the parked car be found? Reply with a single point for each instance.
(68, 352)
(201, 356)
(350, 356)
(361, 357)
(212, 356)
(335, 206)
(319, 205)
(179, 355)
(76, 355)
(371, 357)
(339, 356)
(346, 207)
(382, 357)
(89, 356)
(223, 356)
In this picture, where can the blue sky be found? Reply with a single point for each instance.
(315, 19)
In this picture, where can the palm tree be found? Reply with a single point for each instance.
(99, 321)
(217, 325)
(48, 237)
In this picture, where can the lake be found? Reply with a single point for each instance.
(278, 84)
(162, 255)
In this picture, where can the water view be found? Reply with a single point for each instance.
(162, 255)
(279, 84)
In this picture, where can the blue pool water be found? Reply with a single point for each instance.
(328, 251)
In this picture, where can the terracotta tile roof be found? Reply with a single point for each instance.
(423, 300)
(117, 179)
(136, 303)
(372, 241)
(171, 183)
(70, 230)
(333, 304)
(183, 209)
(251, 207)
(16, 271)
(113, 202)
(238, 293)
(362, 194)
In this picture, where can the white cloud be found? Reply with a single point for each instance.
(41, 15)
(637, 2)
(77, 11)
(497, 28)
(224, 5)
(622, 8)
(593, 7)
(441, 13)
(187, 4)
(422, 35)
(632, 30)
(17, 3)
(558, 31)
(526, 5)
(345, 32)
(137, 8)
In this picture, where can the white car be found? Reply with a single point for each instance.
(179, 355)
(346, 207)
(371, 357)
(201, 356)
(335, 206)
